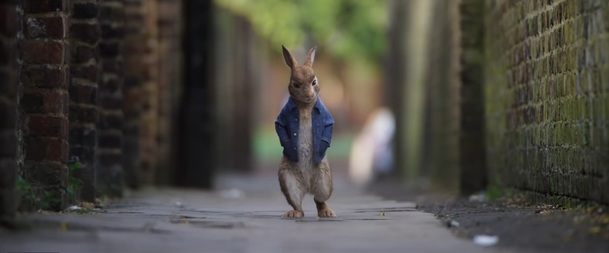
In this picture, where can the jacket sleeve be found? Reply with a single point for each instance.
(281, 128)
(328, 125)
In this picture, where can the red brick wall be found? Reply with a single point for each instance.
(8, 110)
(169, 74)
(109, 169)
(85, 72)
(141, 92)
(44, 99)
(95, 81)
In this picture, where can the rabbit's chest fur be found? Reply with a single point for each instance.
(305, 141)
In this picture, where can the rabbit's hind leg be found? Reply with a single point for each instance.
(291, 186)
(322, 189)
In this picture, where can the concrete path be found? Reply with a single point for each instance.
(245, 219)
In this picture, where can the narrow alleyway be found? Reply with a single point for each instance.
(244, 217)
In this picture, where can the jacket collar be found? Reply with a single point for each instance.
(292, 104)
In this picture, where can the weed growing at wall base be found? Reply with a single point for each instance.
(74, 184)
(34, 197)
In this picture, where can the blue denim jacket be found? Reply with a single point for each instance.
(287, 125)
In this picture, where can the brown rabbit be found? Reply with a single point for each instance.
(304, 127)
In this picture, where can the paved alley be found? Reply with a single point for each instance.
(243, 217)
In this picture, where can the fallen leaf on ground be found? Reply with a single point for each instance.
(595, 230)
(63, 226)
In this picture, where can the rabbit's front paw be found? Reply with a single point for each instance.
(293, 214)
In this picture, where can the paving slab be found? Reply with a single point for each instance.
(244, 215)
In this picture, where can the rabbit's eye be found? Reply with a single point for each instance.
(314, 82)
(295, 84)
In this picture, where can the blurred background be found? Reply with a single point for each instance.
(451, 96)
(380, 63)
(252, 76)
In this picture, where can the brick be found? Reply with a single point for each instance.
(42, 6)
(32, 102)
(43, 102)
(84, 54)
(46, 173)
(111, 103)
(111, 86)
(110, 121)
(89, 72)
(83, 136)
(46, 149)
(57, 150)
(44, 77)
(85, 10)
(109, 159)
(109, 49)
(110, 141)
(111, 31)
(85, 154)
(36, 148)
(88, 33)
(49, 126)
(83, 114)
(113, 65)
(47, 27)
(111, 14)
(85, 94)
(43, 52)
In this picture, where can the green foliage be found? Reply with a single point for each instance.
(74, 184)
(35, 197)
(494, 192)
(347, 29)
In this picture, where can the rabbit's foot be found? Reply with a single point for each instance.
(293, 214)
(326, 213)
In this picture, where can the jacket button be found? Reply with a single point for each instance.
(294, 134)
(295, 119)
(294, 148)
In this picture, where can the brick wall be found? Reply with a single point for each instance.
(43, 101)
(169, 74)
(109, 169)
(85, 72)
(141, 92)
(8, 109)
(442, 90)
(135, 71)
(95, 81)
(547, 96)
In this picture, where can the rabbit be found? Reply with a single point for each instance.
(304, 127)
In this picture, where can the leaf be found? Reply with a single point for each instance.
(595, 230)
(63, 226)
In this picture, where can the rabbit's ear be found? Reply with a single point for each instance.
(289, 59)
(310, 57)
